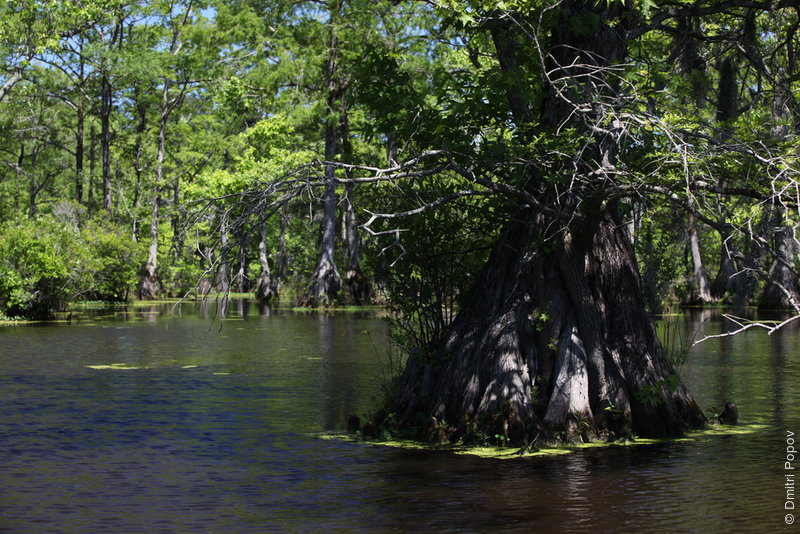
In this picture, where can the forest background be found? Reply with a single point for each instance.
(171, 148)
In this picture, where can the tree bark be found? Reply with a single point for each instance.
(266, 285)
(729, 283)
(326, 282)
(358, 285)
(10, 82)
(223, 283)
(782, 290)
(149, 284)
(105, 139)
(283, 256)
(699, 287)
(79, 145)
(553, 344)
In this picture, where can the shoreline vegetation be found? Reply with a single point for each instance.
(286, 304)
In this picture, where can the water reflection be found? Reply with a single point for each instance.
(211, 432)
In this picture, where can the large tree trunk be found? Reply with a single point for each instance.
(553, 343)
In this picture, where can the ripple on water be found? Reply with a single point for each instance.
(173, 447)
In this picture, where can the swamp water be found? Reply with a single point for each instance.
(166, 420)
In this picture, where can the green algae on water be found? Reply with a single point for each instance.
(115, 366)
(502, 453)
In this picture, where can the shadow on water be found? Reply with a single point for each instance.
(147, 420)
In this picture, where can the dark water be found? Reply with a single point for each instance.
(212, 434)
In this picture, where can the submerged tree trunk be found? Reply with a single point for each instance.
(553, 343)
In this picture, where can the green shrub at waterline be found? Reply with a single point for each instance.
(46, 264)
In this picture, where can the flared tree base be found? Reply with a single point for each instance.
(358, 287)
(267, 287)
(324, 286)
(554, 344)
(148, 287)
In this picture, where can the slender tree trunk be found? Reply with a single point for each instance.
(729, 282)
(141, 127)
(358, 285)
(326, 281)
(283, 256)
(105, 139)
(783, 288)
(241, 280)
(148, 286)
(652, 295)
(79, 143)
(92, 159)
(20, 174)
(266, 285)
(223, 283)
(699, 287)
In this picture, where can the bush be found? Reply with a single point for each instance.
(38, 260)
(115, 261)
(46, 263)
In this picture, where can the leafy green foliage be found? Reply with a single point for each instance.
(36, 268)
(45, 264)
(113, 261)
